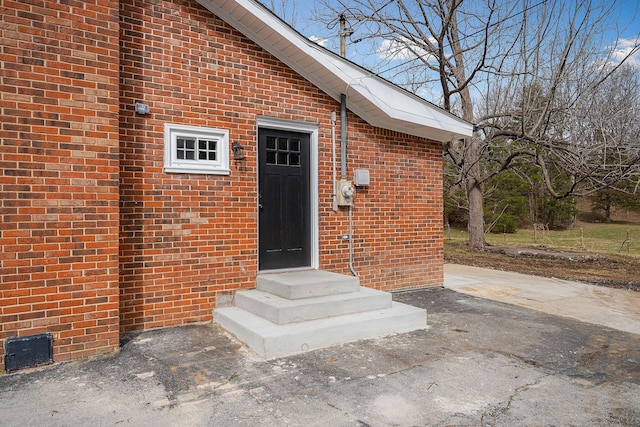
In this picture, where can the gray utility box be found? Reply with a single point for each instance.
(361, 177)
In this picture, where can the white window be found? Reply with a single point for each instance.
(190, 149)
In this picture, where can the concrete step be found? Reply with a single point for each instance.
(306, 284)
(270, 340)
(282, 310)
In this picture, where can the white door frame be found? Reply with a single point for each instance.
(313, 130)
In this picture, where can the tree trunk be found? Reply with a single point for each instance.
(473, 147)
(475, 196)
(476, 214)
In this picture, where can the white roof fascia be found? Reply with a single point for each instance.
(372, 98)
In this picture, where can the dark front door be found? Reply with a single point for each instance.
(284, 199)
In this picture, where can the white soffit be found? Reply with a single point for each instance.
(374, 99)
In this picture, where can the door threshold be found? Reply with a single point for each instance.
(286, 270)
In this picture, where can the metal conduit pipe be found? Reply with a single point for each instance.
(353, 271)
(343, 136)
(343, 171)
(334, 197)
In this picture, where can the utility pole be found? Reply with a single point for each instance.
(344, 33)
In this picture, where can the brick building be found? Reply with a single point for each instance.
(138, 138)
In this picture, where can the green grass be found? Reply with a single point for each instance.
(623, 238)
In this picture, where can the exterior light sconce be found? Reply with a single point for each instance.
(237, 151)
(141, 108)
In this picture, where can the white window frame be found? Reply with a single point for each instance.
(172, 164)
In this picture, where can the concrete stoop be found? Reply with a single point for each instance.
(294, 312)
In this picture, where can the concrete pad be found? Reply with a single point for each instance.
(480, 363)
(615, 308)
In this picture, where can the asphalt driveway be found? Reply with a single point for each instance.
(481, 362)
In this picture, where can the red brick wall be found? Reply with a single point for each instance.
(59, 174)
(186, 238)
(397, 226)
(183, 238)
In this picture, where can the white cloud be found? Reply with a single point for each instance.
(322, 41)
(400, 49)
(624, 48)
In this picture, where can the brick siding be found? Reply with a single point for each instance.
(186, 238)
(59, 174)
(96, 237)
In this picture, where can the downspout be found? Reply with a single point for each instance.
(343, 171)
(343, 136)
(333, 161)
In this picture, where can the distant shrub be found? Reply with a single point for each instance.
(506, 223)
(591, 217)
(557, 214)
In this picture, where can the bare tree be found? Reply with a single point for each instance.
(287, 10)
(529, 74)
(565, 105)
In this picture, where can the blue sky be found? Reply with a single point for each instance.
(624, 20)
(630, 9)
(629, 18)
(626, 17)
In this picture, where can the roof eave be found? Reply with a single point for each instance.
(372, 98)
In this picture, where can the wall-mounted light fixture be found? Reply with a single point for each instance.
(142, 108)
(237, 151)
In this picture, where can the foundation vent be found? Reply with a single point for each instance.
(28, 352)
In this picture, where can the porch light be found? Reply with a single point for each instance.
(237, 151)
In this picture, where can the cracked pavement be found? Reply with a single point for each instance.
(480, 363)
